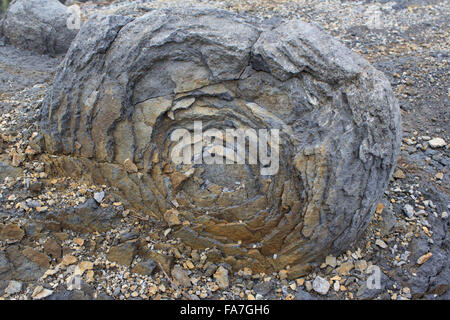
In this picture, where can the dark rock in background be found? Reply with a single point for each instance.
(39, 25)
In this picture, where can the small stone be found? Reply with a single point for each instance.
(439, 175)
(171, 217)
(146, 267)
(213, 287)
(78, 241)
(437, 143)
(52, 248)
(90, 275)
(361, 265)
(444, 215)
(167, 231)
(36, 186)
(180, 276)
(308, 285)
(40, 293)
(427, 232)
(33, 203)
(122, 254)
(189, 264)
(221, 277)
(336, 286)
(297, 271)
(388, 223)
(127, 235)
(283, 274)
(130, 166)
(246, 272)
(300, 281)
(162, 260)
(98, 196)
(210, 270)
(68, 260)
(51, 272)
(41, 209)
(12, 232)
(13, 287)
(381, 243)
(85, 265)
(17, 158)
(152, 290)
(379, 208)
(302, 295)
(408, 210)
(331, 261)
(263, 288)
(320, 285)
(424, 258)
(37, 257)
(345, 268)
(399, 174)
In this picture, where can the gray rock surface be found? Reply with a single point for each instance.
(14, 265)
(87, 217)
(22, 69)
(321, 285)
(180, 276)
(13, 287)
(7, 170)
(303, 295)
(39, 25)
(126, 84)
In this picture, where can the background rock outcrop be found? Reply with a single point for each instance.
(126, 84)
(39, 25)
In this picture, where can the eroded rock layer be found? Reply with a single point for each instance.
(126, 85)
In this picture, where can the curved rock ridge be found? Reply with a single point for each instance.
(126, 85)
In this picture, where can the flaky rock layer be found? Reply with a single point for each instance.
(126, 85)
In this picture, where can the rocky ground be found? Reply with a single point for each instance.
(65, 239)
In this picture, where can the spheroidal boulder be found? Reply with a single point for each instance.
(127, 84)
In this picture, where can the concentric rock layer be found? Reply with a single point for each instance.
(127, 84)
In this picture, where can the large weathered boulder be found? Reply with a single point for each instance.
(126, 85)
(42, 26)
